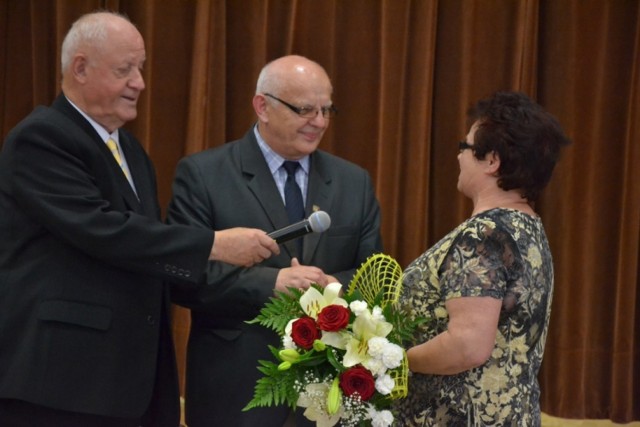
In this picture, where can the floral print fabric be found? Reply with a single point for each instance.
(500, 253)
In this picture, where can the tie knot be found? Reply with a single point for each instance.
(291, 167)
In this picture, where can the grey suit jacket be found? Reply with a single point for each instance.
(231, 186)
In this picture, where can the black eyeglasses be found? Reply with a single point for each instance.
(307, 112)
(464, 145)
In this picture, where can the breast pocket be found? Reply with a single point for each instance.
(341, 241)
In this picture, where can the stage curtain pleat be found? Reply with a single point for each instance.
(404, 74)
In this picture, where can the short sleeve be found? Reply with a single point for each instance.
(479, 262)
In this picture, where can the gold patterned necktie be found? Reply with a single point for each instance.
(116, 153)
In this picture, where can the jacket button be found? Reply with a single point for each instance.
(151, 320)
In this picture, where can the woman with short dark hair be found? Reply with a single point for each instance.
(487, 285)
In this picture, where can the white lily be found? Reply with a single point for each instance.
(312, 301)
(314, 399)
(337, 340)
(365, 327)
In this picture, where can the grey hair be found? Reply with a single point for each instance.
(90, 30)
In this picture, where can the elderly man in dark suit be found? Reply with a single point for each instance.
(245, 183)
(84, 334)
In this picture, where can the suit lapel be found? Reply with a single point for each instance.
(262, 185)
(260, 182)
(143, 201)
(319, 198)
(62, 104)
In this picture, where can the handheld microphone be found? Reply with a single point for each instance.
(317, 222)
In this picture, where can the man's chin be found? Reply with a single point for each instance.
(311, 138)
(310, 143)
(128, 116)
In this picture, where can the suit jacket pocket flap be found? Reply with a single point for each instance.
(227, 334)
(343, 230)
(90, 316)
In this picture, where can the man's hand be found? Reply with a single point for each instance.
(243, 246)
(300, 276)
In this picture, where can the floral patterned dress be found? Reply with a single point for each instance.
(500, 253)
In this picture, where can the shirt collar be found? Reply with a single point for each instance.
(274, 160)
(102, 132)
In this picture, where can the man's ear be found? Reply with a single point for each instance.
(78, 67)
(260, 107)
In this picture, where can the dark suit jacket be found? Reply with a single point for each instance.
(232, 186)
(83, 307)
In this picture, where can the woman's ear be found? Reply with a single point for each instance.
(492, 163)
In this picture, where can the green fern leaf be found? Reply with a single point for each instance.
(280, 309)
(274, 388)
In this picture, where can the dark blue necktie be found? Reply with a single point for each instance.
(293, 198)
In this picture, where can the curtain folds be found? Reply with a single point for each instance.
(404, 73)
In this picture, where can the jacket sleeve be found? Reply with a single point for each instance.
(64, 183)
(227, 290)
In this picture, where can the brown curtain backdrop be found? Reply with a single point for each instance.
(404, 73)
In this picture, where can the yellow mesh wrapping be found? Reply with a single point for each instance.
(381, 274)
(401, 377)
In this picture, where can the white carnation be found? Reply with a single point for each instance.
(384, 384)
(380, 419)
(392, 355)
(358, 307)
(377, 314)
(376, 346)
(375, 366)
(287, 342)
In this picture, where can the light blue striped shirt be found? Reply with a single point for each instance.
(274, 161)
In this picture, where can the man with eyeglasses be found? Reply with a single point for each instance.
(245, 183)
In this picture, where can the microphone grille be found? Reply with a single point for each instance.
(320, 221)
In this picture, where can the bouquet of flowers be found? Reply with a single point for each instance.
(341, 356)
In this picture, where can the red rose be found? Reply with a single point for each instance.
(333, 317)
(358, 380)
(304, 332)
